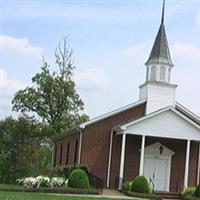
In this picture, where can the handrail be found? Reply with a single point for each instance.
(151, 181)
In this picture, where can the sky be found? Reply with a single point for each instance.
(111, 41)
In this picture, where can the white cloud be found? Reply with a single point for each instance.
(186, 51)
(92, 79)
(19, 46)
(8, 84)
(198, 19)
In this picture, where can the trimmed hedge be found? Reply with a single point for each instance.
(79, 179)
(65, 171)
(140, 185)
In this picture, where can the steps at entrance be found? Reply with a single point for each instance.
(169, 195)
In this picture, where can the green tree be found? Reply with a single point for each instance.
(53, 97)
(22, 150)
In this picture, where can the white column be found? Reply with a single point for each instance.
(187, 161)
(142, 156)
(121, 171)
(109, 159)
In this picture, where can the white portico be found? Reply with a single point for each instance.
(155, 160)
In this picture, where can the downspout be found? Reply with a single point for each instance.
(80, 147)
(110, 158)
(198, 169)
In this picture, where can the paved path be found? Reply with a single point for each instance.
(114, 194)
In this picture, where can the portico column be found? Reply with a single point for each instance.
(121, 172)
(142, 156)
(187, 161)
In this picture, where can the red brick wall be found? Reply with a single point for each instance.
(64, 142)
(96, 141)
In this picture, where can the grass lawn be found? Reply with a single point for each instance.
(36, 196)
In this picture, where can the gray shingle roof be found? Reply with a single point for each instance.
(160, 51)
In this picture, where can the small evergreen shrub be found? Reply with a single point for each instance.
(65, 171)
(197, 191)
(189, 192)
(140, 185)
(126, 186)
(79, 179)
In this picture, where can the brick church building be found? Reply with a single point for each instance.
(156, 136)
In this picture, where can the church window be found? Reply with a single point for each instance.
(76, 151)
(61, 154)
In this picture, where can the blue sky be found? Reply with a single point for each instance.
(111, 41)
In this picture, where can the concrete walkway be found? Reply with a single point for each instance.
(113, 194)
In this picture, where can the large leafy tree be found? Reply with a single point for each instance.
(22, 151)
(53, 97)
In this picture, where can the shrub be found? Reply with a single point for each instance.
(79, 179)
(30, 182)
(65, 171)
(189, 192)
(197, 191)
(140, 184)
(126, 186)
(43, 181)
(57, 182)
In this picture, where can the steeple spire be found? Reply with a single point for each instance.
(160, 52)
(163, 13)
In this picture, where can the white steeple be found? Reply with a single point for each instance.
(158, 89)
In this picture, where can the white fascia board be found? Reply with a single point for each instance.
(109, 114)
(123, 127)
(187, 111)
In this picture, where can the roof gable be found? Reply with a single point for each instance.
(112, 113)
(167, 123)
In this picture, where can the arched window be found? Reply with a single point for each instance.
(61, 154)
(55, 155)
(162, 73)
(153, 73)
(76, 152)
(67, 156)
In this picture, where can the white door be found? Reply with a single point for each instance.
(156, 169)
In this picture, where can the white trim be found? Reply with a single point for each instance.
(198, 169)
(142, 156)
(188, 112)
(122, 160)
(80, 147)
(109, 114)
(110, 158)
(187, 164)
(123, 127)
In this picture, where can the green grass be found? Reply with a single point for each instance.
(36, 196)
(10, 186)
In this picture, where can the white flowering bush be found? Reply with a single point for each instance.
(57, 182)
(20, 181)
(30, 182)
(43, 181)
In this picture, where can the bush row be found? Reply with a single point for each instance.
(77, 179)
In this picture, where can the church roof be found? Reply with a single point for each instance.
(160, 52)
